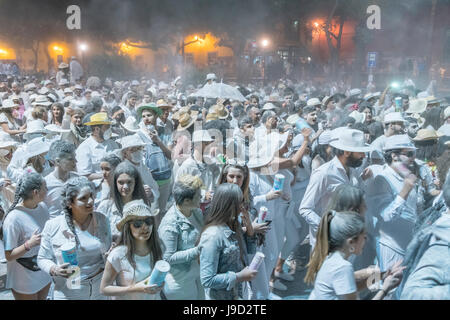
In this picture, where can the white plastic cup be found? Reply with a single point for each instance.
(257, 261)
(159, 273)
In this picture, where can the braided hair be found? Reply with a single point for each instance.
(24, 191)
(70, 190)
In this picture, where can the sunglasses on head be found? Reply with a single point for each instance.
(139, 223)
(236, 162)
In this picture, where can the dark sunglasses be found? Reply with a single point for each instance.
(138, 223)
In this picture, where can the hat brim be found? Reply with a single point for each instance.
(141, 109)
(129, 129)
(97, 123)
(339, 146)
(119, 226)
(179, 128)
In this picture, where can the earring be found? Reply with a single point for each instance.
(352, 249)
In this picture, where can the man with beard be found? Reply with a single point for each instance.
(394, 125)
(350, 152)
(392, 201)
(255, 114)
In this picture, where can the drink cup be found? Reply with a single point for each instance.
(257, 261)
(159, 273)
(69, 253)
(262, 214)
(278, 182)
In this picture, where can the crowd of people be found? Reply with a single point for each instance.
(103, 180)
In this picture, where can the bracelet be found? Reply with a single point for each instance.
(25, 246)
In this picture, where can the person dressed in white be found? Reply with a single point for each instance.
(94, 148)
(130, 264)
(394, 125)
(62, 154)
(392, 200)
(341, 169)
(22, 228)
(341, 234)
(76, 70)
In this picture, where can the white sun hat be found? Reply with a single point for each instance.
(359, 117)
(130, 124)
(351, 140)
(131, 141)
(34, 148)
(41, 101)
(8, 104)
(399, 141)
(417, 106)
(313, 102)
(393, 117)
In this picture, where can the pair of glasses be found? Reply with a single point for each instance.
(409, 154)
(138, 223)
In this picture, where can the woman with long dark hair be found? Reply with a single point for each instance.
(57, 114)
(83, 229)
(131, 262)
(22, 228)
(223, 248)
(126, 186)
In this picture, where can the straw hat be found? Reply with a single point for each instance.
(210, 76)
(417, 106)
(212, 116)
(185, 121)
(427, 135)
(6, 144)
(98, 119)
(179, 113)
(28, 87)
(221, 111)
(161, 103)
(130, 125)
(150, 106)
(133, 210)
(351, 140)
(262, 150)
(8, 104)
(41, 101)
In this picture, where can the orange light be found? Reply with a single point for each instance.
(316, 24)
(125, 48)
(196, 38)
(3, 52)
(58, 49)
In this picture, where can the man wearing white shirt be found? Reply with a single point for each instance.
(130, 109)
(324, 180)
(94, 148)
(392, 201)
(394, 125)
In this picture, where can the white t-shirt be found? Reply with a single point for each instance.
(53, 200)
(18, 227)
(335, 278)
(127, 275)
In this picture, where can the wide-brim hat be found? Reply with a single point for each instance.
(398, 142)
(369, 96)
(221, 111)
(34, 148)
(41, 101)
(313, 102)
(150, 106)
(417, 106)
(359, 117)
(130, 125)
(351, 140)
(161, 103)
(131, 141)
(63, 65)
(427, 135)
(180, 112)
(8, 104)
(185, 121)
(135, 209)
(269, 106)
(98, 119)
(393, 117)
(212, 116)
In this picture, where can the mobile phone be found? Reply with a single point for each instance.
(268, 222)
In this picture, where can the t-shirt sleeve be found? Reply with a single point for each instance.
(344, 280)
(11, 233)
(3, 118)
(114, 259)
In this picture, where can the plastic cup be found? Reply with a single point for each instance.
(159, 273)
(69, 253)
(278, 182)
(257, 261)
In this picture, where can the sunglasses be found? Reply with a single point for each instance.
(138, 223)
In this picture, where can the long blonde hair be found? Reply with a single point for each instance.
(334, 229)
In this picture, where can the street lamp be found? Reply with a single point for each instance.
(264, 43)
(83, 47)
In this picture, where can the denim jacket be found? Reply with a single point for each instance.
(220, 261)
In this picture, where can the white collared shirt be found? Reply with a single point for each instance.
(89, 154)
(324, 181)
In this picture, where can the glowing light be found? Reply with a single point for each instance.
(265, 42)
(58, 49)
(395, 85)
(3, 52)
(316, 24)
(83, 47)
(309, 59)
(196, 38)
(125, 48)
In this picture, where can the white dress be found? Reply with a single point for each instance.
(18, 227)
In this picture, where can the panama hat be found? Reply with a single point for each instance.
(399, 141)
(186, 120)
(63, 65)
(30, 86)
(68, 90)
(34, 148)
(369, 96)
(262, 150)
(354, 92)
(8, 104)
(221, 111)
(417, 106)
(161, 103)
(98, 119)
(150, 106)
(427, 135)
(180, 112)
(131, 141)
(130, 125)
(41, 100)
(313, 102)
(351, 140)
(212, 116)
(135, 209)
(393, 117)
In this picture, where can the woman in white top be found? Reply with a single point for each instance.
(83, 229)
(22, 236)
(127, 186)
(130, 264)
(8, 123)
(341, 234)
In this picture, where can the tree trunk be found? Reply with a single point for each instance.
(36, 55)
(49, 59)
(334, 54)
